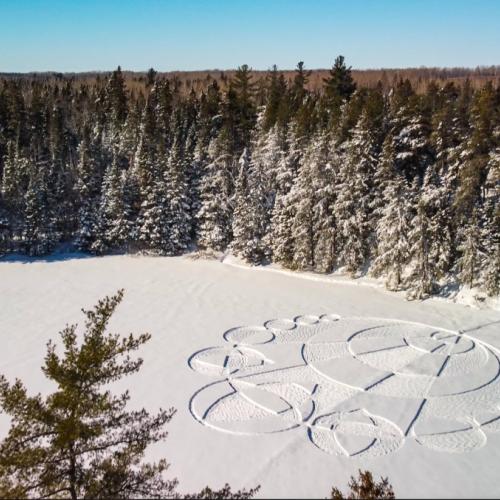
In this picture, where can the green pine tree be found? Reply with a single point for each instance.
(338, 87)
(81, 441)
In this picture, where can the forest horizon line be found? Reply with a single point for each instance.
(199, 79)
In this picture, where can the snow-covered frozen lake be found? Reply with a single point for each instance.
(349, 377)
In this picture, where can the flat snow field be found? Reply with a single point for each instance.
(350, 377)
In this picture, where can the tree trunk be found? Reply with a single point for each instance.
(72, 473)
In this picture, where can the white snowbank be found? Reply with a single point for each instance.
(458, 295)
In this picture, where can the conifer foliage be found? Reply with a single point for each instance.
(394, 183)
(81, 441)
(364, 487)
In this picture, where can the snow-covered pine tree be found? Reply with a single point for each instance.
(353, 203)
(302, 226)
(215, 214)
(302, 197)
(436, 204)
(411, 144)
(116, 105)
(469, 263)
(177, 199)
(5, 231)
(491, 233)
(440, 181)
(384, 174)
(129, 135)
(492, 271)
(409, 128)
(422, 280)
(475, 157)
(198, 164)
(279, 237)
(144, 164)
(267, 151)
(324, 162)
(251, 208)
(131, 205)
(147, 198)
(242, 230)
(351, 225)
(113, 223)
(38, 238)
(393, 228)
(153, 218)
(193, 170)
(15, 179)
(265, 167)
(87, 189)
(59, 176)
(152, 230)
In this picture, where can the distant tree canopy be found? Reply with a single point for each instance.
(387, 179)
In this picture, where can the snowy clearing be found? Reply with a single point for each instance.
(290, 383)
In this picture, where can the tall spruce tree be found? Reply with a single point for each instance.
(338, 87)
(113, 222)
(353, 205)
(38, 237)
(280, 235)
(469, 263)
(177, 200)
(325, 166)
(153, 218)
(302, 197)
(87, 188)
(393, 233)
(422, 280)
(215, 214)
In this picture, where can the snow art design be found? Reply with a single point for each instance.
(357, 386)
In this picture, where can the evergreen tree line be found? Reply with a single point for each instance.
(391, 183)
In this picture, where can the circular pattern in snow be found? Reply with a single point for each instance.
(248, 335)
(310, 319)
(354, 433)
(329, 317)
(280, 324)
(358, 386)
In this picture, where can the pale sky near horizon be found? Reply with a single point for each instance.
(85, 35)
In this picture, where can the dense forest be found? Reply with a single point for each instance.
(379, 179)
(185, 81)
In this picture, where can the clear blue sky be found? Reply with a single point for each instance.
(79, 35)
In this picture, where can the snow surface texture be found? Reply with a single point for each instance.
(452, 292)
(303, 436)
(453, 381)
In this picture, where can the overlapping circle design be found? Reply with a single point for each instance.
(358, 387)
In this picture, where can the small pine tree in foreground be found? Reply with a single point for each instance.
(364, 487)
(81, 441)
